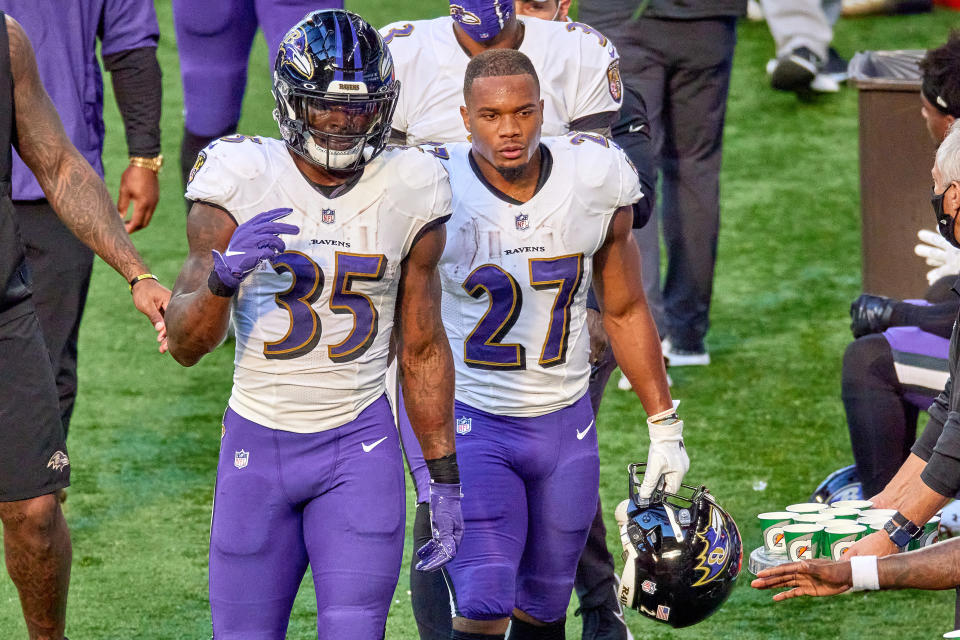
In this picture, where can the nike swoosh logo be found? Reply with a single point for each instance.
(233, 253)
(581, 434)
(367, 448)
(635, 127)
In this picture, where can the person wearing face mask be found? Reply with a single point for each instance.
(897, 363)
(931, 474)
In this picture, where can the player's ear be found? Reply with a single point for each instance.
(466, 118)
(564, 9)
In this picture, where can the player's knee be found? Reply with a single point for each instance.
(243, 511)
(545, 597)
(486, 593)
(526, 627)
(861, 360)
(352, 623)
(33, 520)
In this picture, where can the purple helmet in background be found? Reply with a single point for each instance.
(481, 19)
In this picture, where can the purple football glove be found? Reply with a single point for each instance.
(446, 522)
(253, 241)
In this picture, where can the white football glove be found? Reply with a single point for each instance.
(938, 253)
(667, 456)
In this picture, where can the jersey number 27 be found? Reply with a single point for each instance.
(484, 349)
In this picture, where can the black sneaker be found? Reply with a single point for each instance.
(836, 66)
(604, 623)
(796, 70)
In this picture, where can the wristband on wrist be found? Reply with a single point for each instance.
(142, 276)
(666, 417)
(863, 571)
(217, 287)
(444, 470)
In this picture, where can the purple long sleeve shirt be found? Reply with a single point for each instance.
(64, 36)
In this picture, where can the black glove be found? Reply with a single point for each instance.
(870, 314)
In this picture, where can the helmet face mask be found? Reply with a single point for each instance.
(335, 91)
(682, 553)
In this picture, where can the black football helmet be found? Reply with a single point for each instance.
(682, 555)
(335, 89)
(842, 484)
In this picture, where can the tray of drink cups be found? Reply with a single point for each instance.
(809, 530)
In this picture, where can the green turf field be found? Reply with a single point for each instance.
(144, 438)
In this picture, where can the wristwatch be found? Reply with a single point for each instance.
(901, 530)
(153, 164)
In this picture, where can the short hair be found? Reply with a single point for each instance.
(948, 155)
(496, 63)
(941, 76)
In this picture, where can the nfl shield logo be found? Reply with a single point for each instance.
(464, 426)
(523, 221)
(328, 216)
(241, 458)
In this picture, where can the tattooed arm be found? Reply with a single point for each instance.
(426, 363)
(196, 318)
(933, 567)
(73, 189)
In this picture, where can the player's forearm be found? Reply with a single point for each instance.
(636, 346)
(920, 502)
(82, 202)
(933, 567)
(428, 382)
(196, 323)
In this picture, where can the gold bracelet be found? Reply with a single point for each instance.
(153, 164)
(142, 276)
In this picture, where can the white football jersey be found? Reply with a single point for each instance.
(579, 72)
(313, 324)
(515, 275)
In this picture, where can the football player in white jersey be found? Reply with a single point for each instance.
(579, 69)
(318, 241)
(582, 91)
(534, 222)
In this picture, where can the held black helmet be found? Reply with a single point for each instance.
(334, 85)
(682, 555)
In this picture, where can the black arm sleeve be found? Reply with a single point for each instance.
(942, 473)
(936, 319)
(924, 445)
(632, 133)
(136, 81)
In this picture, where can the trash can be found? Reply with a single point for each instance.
(896, 155)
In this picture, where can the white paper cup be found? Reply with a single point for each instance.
(802, 540)
(838, 537)
(852, 504)
(807, 507)
(817, 518)
(841, 513)
(772, 524)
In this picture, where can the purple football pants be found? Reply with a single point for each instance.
(214, 39)
(529, 495)
(333, 500)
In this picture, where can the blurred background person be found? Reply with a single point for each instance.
(65, 37)
(213, 41)
(802, 31)
(677, 54)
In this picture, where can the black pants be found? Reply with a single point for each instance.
(882, 424)
(60, 267)
(594, 582)
(681, 68)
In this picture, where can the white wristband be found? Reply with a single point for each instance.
(864, 573)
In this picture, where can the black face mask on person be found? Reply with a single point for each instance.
(945, 223)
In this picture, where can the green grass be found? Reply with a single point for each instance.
(145, 435)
